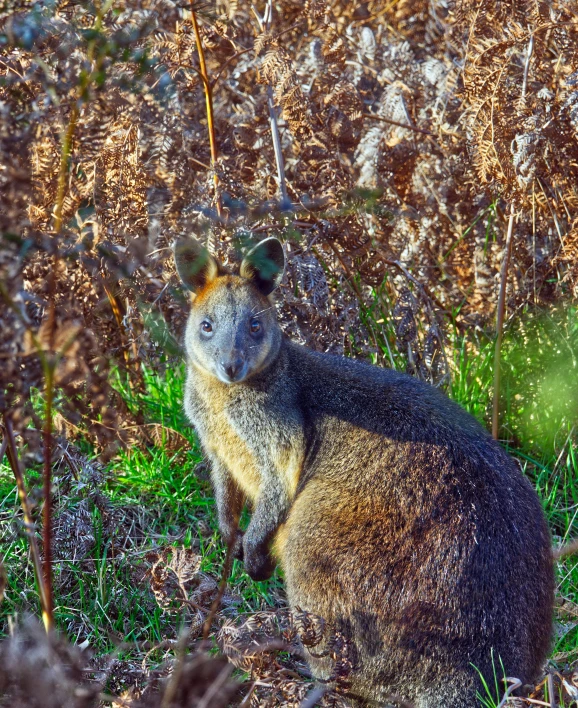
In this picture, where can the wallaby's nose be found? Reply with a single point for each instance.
(232, 368)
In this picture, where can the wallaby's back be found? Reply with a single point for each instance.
(415, 535)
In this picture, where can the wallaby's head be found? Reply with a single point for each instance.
(232, 332)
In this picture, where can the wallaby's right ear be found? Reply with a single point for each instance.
(195, 265)
(264, 265)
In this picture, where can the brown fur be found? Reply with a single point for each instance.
(394, 515)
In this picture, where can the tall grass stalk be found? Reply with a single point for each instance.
(500, 323)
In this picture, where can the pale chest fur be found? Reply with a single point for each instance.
(246, 436)
(222, 441)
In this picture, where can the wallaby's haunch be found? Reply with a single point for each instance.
(393, 514)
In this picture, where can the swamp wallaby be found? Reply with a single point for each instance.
(392, 512)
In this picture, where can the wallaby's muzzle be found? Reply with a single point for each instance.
(232, 369)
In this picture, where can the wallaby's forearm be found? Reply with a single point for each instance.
(269, 513)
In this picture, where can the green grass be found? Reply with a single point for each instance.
(164, 494)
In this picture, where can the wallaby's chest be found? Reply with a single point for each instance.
(226, 444)
(216, 418)
(252, 437)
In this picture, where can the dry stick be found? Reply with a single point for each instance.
(500, 323)
(527, 66)
(277, 146)
(47, 485)
(514, 685)
(49, 368)
(209, 103)
(220, 592)
(173, 683)
(14, 462)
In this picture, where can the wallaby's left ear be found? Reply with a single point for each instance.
(195, 265)
(264, 265)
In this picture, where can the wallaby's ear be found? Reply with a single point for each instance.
(264, 265)
(195, 265)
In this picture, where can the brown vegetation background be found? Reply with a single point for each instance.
(392, 145)
(408, 130)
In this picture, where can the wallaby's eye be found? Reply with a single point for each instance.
(255, 326)
(207, 327)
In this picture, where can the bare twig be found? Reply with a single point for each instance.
(173, 682)
(527, 65)
(265, 23)
(247, 699)
(513, 685)
(277, 147)
(500, 322)
(569, 549)
(47, 486)
(373, 116)
(551, 693)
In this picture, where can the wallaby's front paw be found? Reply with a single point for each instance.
(258, 562)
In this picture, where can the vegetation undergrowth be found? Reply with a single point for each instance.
(158, 496)
(160, 493)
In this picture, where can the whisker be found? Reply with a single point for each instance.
(262, 311)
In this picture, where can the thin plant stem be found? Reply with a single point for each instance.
(277, 146)
(47, 487)
(173, 682)
(14, 462)
(527, 66)
(63, 172)
(273, 120)
(49, 365)
(208, 89)
(500, 323)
